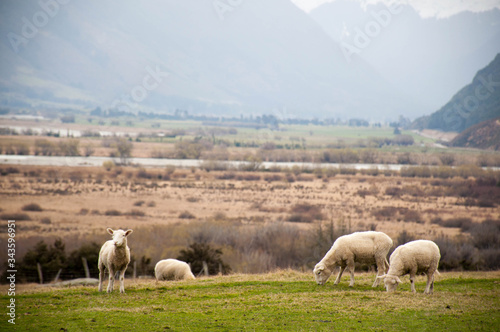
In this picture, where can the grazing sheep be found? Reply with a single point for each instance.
(362, 247)
(172, 269)
(114, 256)
(420, 256)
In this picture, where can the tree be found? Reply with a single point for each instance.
(51, 259)
(123, 149)
(197, 253)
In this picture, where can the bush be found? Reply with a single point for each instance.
(305, 212)
(486, 235)
(197, 253)
(32, 207)
(458, 255)
(136, 213)
(112, 213)
(186, 215)
(45, 147)
(15, 216)
(69, 148)
(404, 237)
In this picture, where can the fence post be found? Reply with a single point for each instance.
(57, 275)
(40, 275)
(86, 267)
(135, 270)
(205, 268)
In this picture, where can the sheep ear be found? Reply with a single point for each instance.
(110, 231)
(382, 277)
(128, 232)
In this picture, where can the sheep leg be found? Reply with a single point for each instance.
(350, 265)
(380, 271)
(101, 275)
(342, 268)
(412, 280)
(122, 280)
(111, 280)
(430, 284)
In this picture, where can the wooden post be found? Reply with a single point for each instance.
(205, 268)
(57, 275)
(86, 267)
(40, 275)
(135, 270)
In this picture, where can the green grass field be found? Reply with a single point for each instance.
(283, 300)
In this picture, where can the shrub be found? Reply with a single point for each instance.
(112, 213)
(15, 216)
(45, 147)
(412, 215)
(393, 191)
(46, 221)
(447, 159)
(136, 213)
(32, 207)
(108, 165)
(463, 223)
(305, 212)
(385, 213)
(138, 203)
(69, 148)
(197, 253)
(404, 237)
(486, 235)
(186, 215)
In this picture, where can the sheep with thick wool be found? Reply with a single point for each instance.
(172, 269)
(415, 257)
(361, 247)
(114, 257)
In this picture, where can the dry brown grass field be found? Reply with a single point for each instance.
(165, 206)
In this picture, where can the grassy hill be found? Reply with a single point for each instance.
(485, 135)
(282, 300)
(477, 102)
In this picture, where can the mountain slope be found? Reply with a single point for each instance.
(257, 57)
(484, 135)
(478, 101)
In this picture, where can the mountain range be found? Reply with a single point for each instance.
(230, 58)
(428, 59)
(476, 102)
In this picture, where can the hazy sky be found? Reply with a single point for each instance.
(426, 8)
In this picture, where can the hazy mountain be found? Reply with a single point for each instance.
(427, 58)
(201, 56)
(476, 102)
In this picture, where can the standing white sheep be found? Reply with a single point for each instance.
(114, 256)
(172, 269)
(362, 247)
(420, 256)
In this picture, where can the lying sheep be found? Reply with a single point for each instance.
(420, 256)
(362, 247)
(114, 256)
(172, 269)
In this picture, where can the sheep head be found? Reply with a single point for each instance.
(391, 282)
(119, 237)
(321, 273)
